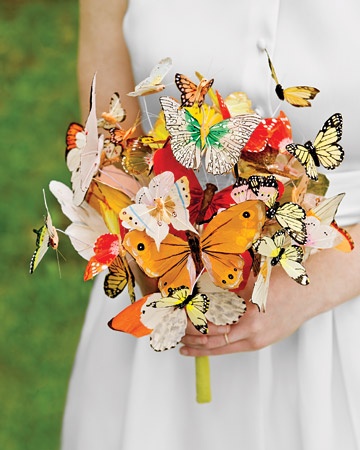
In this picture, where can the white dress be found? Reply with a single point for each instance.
(302, 393)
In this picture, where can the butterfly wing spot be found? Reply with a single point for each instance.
(279, 92)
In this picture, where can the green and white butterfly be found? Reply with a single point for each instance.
(221, 143)
(46, 236)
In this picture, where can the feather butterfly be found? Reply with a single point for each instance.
(46, 237)
(325, 149)
(273, 251)
(192, 94)
(115, 115)
(223, 141)
(296, 95)
(177, 262)
(153, 83)
(290, 216)
(89, 159)
(164, 317)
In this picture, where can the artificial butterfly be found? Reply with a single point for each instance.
(192, 94)
(162, 203)
(225, 307)
(290, 216)
(273, 132)
(89, 159)
(274, 251)
(87, 224)
(110, 254)
(177, 262)
(204, 204)
(322, 230)
(325, 150)
(152, 84)
(137, 157)
(46, 237)
(115, 115)
(222, 143)
(297, 95)
(164, 317)
(75, 142)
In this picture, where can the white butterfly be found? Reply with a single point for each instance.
(89, 154)
(152, 84)
(162, 203)
(222, 144)
(321, 233)
(115, 115)
(87, 224)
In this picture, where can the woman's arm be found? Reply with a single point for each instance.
(334, 279)
(102, 49)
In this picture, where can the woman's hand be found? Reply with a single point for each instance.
(333, 280)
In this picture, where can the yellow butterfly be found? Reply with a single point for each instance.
(325, 150)
(296, 95)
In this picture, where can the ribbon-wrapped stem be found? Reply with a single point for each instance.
(203, 383)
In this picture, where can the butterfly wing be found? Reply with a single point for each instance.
(171, 263)
(75, 142)
(261, 286)
(329, 152)
(228, 235)
(303, 155)
(118, 277)
(291, 217)
(291, 262)
(152, 84)
(106, 249)
(184, 130)
(226, 140)
(299, 96)
(90, 154)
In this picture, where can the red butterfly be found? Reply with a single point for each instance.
(273, 132)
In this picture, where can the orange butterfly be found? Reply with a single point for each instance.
(190, 92)
(218, 249)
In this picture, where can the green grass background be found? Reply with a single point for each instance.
(41, 314)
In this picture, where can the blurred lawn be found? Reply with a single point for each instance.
(41, 314)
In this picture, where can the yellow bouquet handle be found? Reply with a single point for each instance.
(203, 383)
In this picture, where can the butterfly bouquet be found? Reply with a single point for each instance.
(154, 203)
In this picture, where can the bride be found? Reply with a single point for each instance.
(286, 379)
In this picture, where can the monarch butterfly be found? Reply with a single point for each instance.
(296, 95)
(325, 150)
(190, 92)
